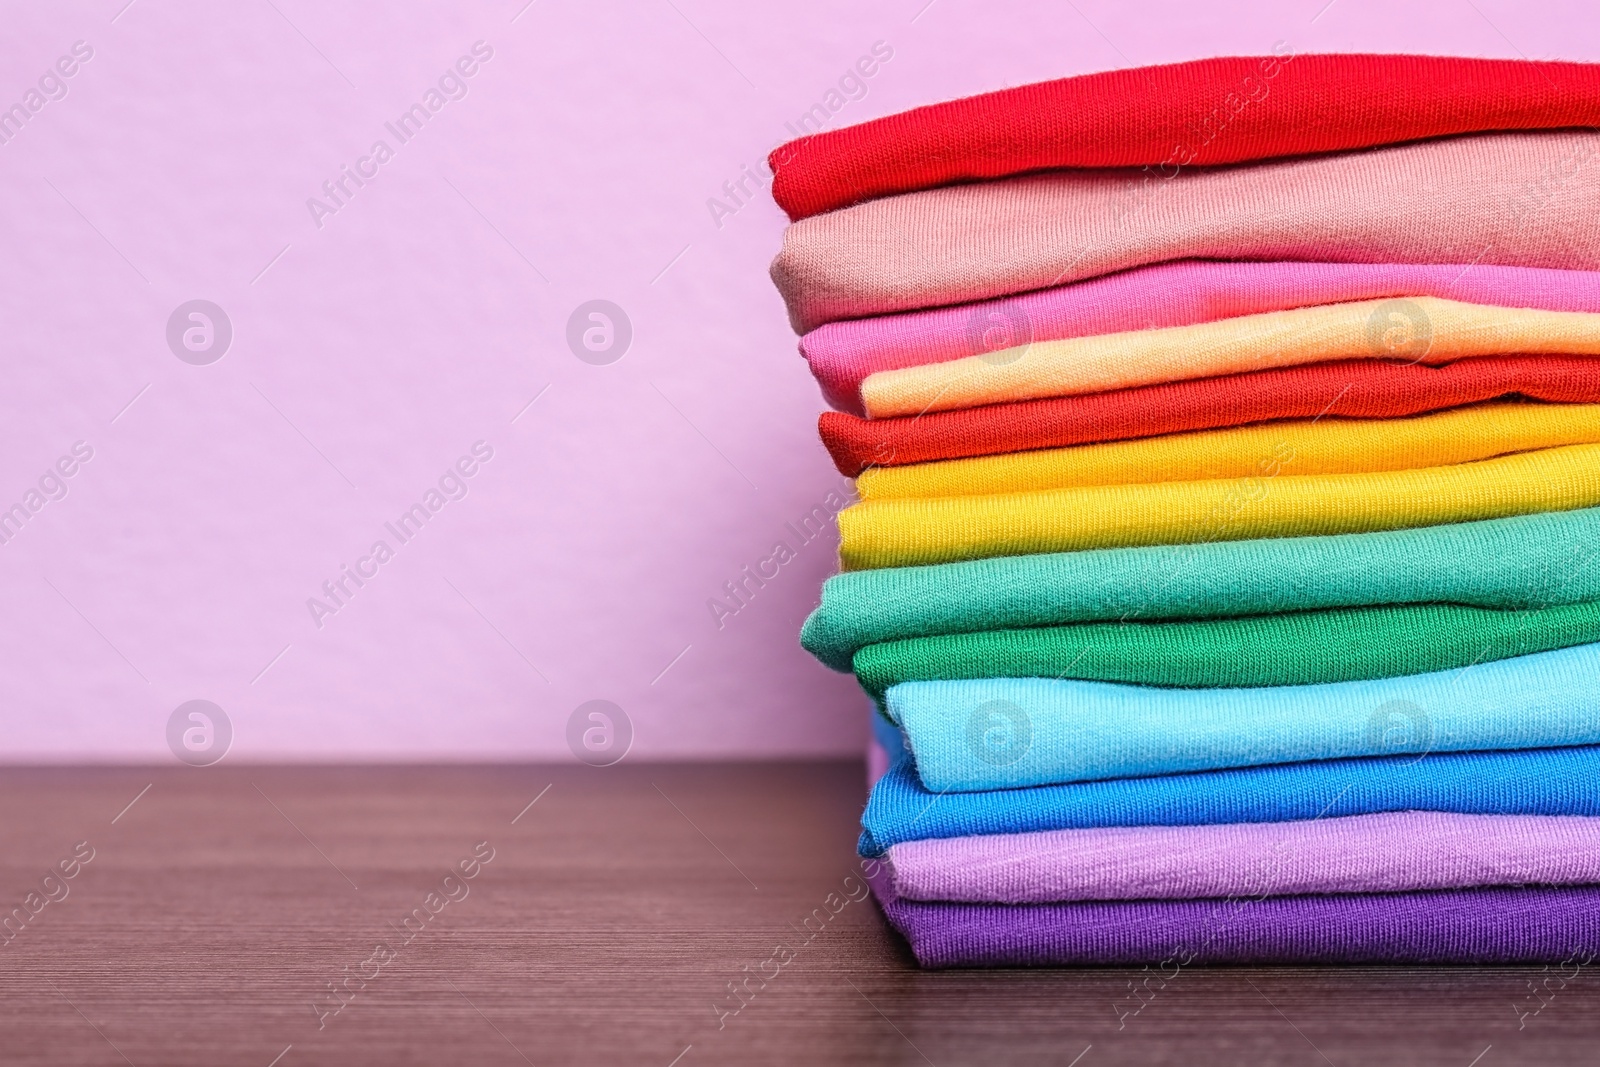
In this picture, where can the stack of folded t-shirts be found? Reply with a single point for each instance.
(1227, 559)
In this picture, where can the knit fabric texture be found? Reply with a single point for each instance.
(1001, 733)
(1307, 446)
(1293, 648)
(1346, 389)
(842, 354)
(1536, 781)
(1387, 853)
(1475, 199)
(921, 530)
(1529, 925)
(1425, 329)
(1530, 561)
(1222, 110)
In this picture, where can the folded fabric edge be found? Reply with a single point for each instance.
(1374, 852)
(1462, 926)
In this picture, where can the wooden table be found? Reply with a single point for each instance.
(221, 907)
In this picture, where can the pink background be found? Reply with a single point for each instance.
(427, 313)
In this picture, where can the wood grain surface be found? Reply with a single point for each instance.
(222, 907)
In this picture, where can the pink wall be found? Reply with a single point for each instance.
(424, 315)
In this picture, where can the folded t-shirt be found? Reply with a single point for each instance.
(1220, 110)
(1382, 853)
(1285, 649)
(1508, 199)
(922, 530)
(1343, 389)
(1534, 781)
(842, 354)
(1307, 446)
(1001, 733)
(1423, 329)
(1528, 561)
(1498, 925)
